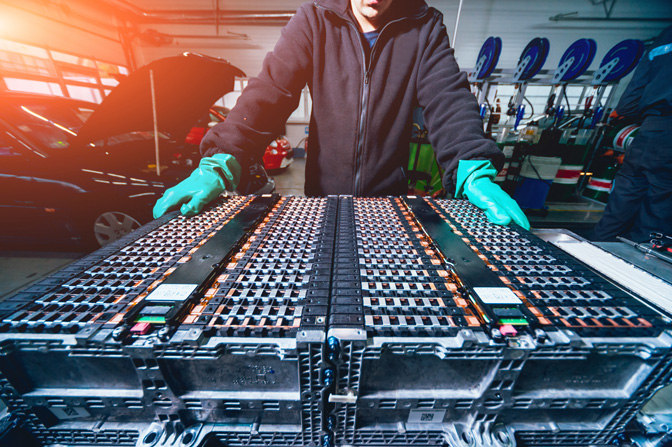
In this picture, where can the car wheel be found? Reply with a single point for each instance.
(112, 225)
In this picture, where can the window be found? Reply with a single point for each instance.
(31, 86)
(85, 93)
(73, 60)
(111, 74)
(20, 58)
(27, 68)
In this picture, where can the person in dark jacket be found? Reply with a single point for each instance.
(367, 63)
(641, 201)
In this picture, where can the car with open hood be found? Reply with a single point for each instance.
(77, 174)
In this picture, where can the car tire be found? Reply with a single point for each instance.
(109, 226)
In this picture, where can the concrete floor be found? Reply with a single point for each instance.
(290, 181)
(19, 269)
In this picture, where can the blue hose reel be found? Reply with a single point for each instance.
(532, 59)
(619, 61)
(487, 59)
(575, 61)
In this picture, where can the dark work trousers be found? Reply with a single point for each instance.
(641, 201)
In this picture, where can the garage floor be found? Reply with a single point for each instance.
(19, 269)
(290, 182)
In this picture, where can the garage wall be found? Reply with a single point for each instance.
(515, 21)
(518, 22)
(91, 28)
(243, 46)
(78, 27)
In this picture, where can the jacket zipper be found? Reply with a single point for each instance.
(362, 111)
(365, 90)
(365, 99)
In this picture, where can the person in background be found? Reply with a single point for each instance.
(367, 64)
(641, 200)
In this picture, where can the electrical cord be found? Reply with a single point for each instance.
(569, 108)
(529, 160)
(531, 107)
(526, 156)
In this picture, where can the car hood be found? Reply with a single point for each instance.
(185, 86)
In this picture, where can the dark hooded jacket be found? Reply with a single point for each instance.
(648, 96)
(363, 99)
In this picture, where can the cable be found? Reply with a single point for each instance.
(569, 108)
(531, 107)
(535, 169)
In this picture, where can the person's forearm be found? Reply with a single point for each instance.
(269, 99)
(451, 111)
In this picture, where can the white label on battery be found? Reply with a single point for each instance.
(172, 292)
(70, 412)
(426, 416)
(497, 295)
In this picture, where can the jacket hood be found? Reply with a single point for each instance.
(399, 8)
(185, 86)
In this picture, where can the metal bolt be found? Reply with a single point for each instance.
(333, 344)
(118, 333)
(333, 347)
(328, 377)
(331, 423)
(164, 333)
(496, 334)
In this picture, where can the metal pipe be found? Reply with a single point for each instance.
(457, 23)
(203, 13)
(201, 16)
(204, 36)
(124, 40)
(187, 18)
(562, 17)
(217, 17)
(156, 123)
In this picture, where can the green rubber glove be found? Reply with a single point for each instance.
(474, 181)
(213, 175)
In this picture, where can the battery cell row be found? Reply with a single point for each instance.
(362, 260)
(101, 291)
(405, 284)
(267, 283)
(556, 288)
